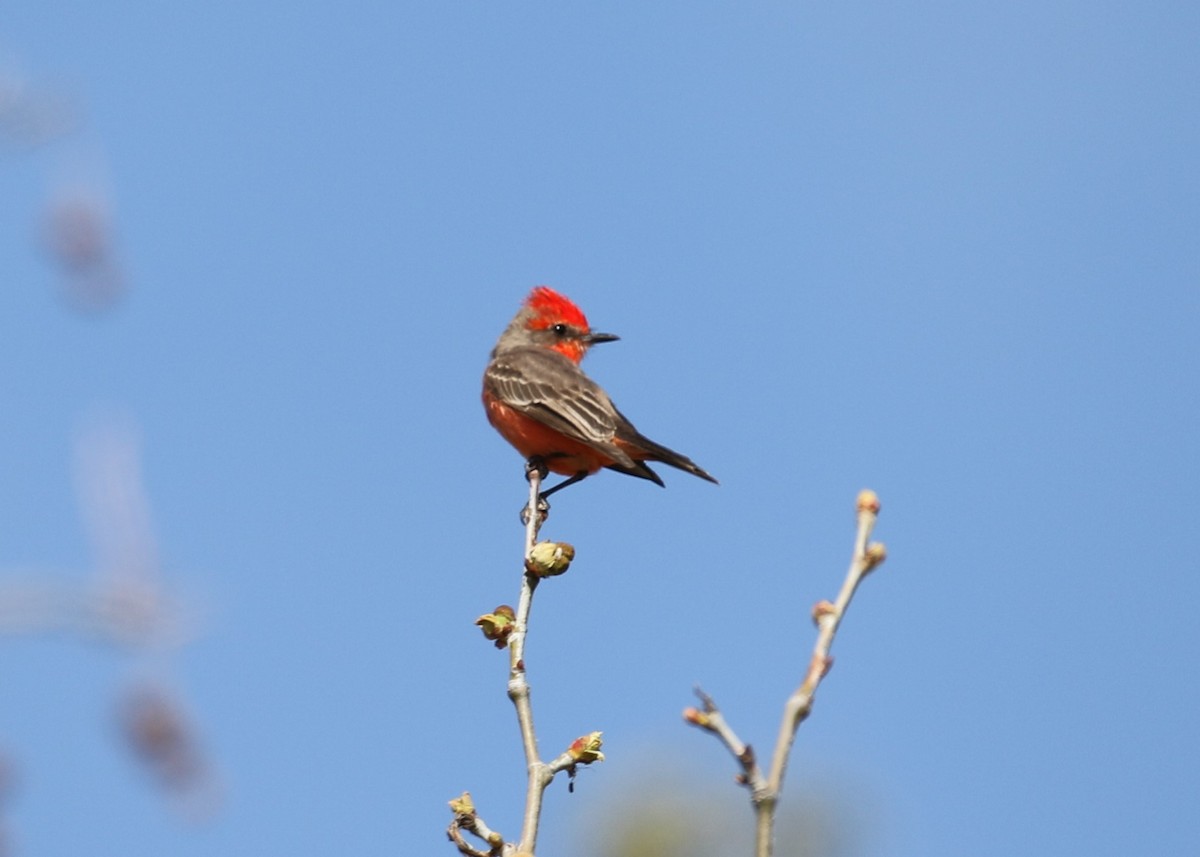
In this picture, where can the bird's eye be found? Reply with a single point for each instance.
(560, 329)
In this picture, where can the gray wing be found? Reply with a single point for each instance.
(547, 387)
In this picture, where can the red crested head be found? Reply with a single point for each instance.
(549, 320)
(550, 308)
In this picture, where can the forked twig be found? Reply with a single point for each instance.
(765, 789)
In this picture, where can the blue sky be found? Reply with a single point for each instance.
(948, 251)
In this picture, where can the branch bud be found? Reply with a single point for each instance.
(463, 805)
(822, 609)
(696, 717)
(875, 555)
(548, 559)
(868, 501)
(586, 748)
(497, 626)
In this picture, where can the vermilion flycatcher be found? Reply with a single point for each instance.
(538, 398)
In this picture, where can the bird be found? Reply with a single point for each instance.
(539, 399)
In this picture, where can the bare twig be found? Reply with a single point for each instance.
(764, 791)
(518, 682)
(710, 719)
(509, 628)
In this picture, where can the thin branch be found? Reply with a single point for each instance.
(712, 720)
(509, 628)
(828, 617)
(518, 683)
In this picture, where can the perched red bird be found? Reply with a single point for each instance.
(542, 403)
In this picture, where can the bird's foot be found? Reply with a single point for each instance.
(543, 512)
(537, 465)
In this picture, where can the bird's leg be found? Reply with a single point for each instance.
(570, 480)
(537, 465)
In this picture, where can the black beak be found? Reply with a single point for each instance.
(593, 338)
